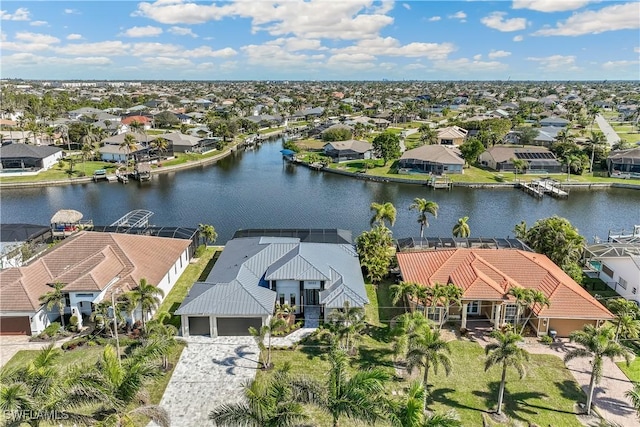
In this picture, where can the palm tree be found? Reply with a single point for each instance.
(269, 402)
(161, 144)
(634, 397)
(447, 419)
(157, 329)
(129, 303)
(622, 307)
(424, 207)
(403, 291)
(427, 350)
(407, 325)
(383, 212)
(519, 166)
(521, 295)
(596, 138)
(55, 298)
(534, 297)
(521, 230)
(597, 343)
(266, 331)
(409, 411)
(128, 144)
(100, 316)
(569, 161)
(347, 324)
(149, 297)
(505, 352)
(208, 232)
(461, 229)
(446, 295)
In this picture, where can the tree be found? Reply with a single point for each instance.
(623, 308)
(403, 291)
(506, 353)
(129, 303)
(424, 207)
(208, 232)
(471, 150)
(427, 134)
(571, 161)
(595, 139)
(337, 133)
(634, 397)
(165, 119)
(447, 419)
(161, 144)
(407, 325)
(269, 402)
(266, 331)
(55, 298)
(347, 324)
(445, 296)
(149, 296)
(519, 166)
(427, 350)
(597, 343)
(129, 145)
(521, 230)
(386, 146)
(534, 297)
(462, 229)
(374, 248)
(527, 135)
(409, 411)
(556, 238)
(383, 212)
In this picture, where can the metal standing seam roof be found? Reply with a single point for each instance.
(228, 299)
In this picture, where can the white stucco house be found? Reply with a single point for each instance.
(92, 266)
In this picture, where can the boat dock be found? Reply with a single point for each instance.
(539, 188)
(440, 182)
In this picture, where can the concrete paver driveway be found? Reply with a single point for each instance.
(210, 372)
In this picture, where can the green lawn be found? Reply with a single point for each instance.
(633, 370)
(61, 171)
(84, 354)
(194, 272)
(546, 396)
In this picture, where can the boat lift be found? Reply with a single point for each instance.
(135, 218)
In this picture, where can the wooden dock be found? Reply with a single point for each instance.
(552, 188)
(531, 190)
(440, 182)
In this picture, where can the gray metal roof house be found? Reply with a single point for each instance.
(254, 273)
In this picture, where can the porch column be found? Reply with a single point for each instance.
(464, 315)
(213, 326)
(185, 325)
(496, 320)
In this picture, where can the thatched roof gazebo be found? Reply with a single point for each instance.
(67, 221)
(66, 216)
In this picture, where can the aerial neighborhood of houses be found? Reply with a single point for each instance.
(307, 299)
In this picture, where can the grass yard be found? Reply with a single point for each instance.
(61, 171)
(546, 396)
(633, 370)
(86, 354)
(194, 272)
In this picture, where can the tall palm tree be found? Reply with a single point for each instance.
(409, 411)
(208, 232)
(445, 296)
(424, 207)
(505, 352)
(383, 212)
(519, 166)
(128, 144)
(427, 350)
(269, 402)
(595, 139)
(403, 291)
(521, 295)
(55, 298)
(597, 343)
(266, 331)
(534, 298)
(129, 302)
(347, 324)
(622, 307)
(634, 397)
(407, 325)
(569, 161)
(158, 329)
(149, 296)
(462, 229)
(161, 144)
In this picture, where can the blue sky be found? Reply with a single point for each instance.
(321, 40)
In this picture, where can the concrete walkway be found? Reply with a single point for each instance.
(609, 396)
(210, 372)
(607, 130)
(293, 338)
(11, 344)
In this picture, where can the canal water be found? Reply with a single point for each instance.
(256, 189)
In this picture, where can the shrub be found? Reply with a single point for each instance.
(77, 342)
(546, 339)
(51, 330)
(73, 323)
(200, 251)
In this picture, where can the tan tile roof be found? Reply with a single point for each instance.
(89, 261)
(488, 274)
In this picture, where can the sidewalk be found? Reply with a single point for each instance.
(11, 344)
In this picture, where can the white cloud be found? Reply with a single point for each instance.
(163, 61)
(467, 66)
(74, 37)
(36, 38)
(609, 18)
(294, 44)
(458, 15)
(389, 46)
(518, 38)
(355, 61)
(206, 51)
(551, 5)
(182, 31)
(38, 23)
(434, 18)
(406, 6)
(615, 65)
(148, 31)
(90, 60)
(342, 20)
(29, 59)
(636, 49)
(72, 11)
(104, 48)
(556, 62)
(498, 54)
(497, 21)
(21, 14)
(477, 57)
(275, 57)
(415, 67)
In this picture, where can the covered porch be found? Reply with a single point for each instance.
(497, 313)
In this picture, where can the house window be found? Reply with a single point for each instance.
(622, 283)
(67, 300)
(606, 270)
(292, 299)
(84, 295)
(281, 299)
(510, 311)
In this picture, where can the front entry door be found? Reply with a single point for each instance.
(312, 296)
(473, 308)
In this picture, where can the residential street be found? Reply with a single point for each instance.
(605, 127)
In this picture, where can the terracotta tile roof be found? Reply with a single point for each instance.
(488, 274)
(89, 261)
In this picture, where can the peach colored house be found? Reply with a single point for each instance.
(486, 275)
